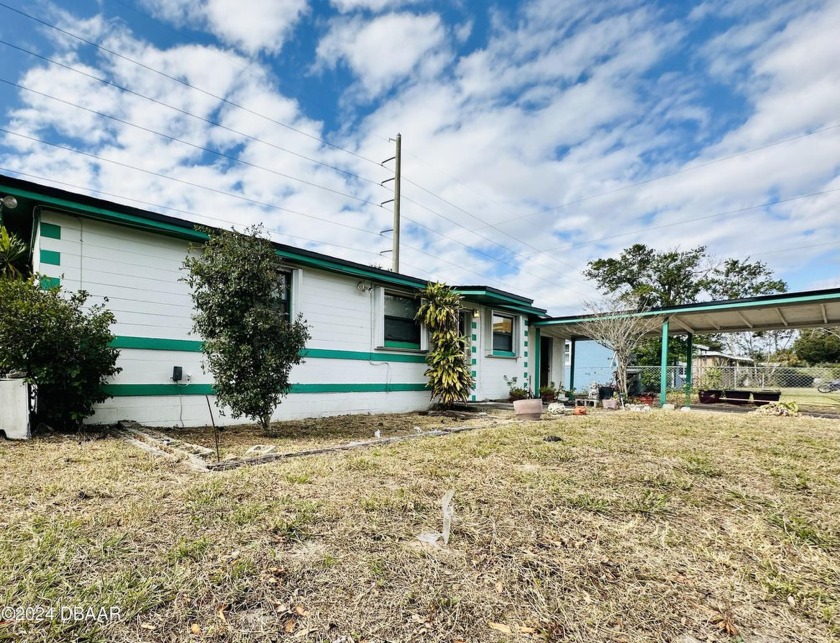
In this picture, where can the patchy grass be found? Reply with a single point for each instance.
(632, 527)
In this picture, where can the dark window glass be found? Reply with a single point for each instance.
(282, 298)
(400, 326)
(502, 333)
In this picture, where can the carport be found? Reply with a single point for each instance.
(787, 311)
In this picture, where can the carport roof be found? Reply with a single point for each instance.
(808, 309)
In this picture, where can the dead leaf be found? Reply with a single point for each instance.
(500, 627)
(499, 587)
(146, 626)
(195, 629)
(302, 633)
(301, 610)
(526, 630)
(221, 613)
(290, 626)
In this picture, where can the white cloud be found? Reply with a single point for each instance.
(346, 6)
(249, 26)
(385, 49)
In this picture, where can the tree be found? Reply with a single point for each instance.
(58, 344)
(610, 325)
(674, 277)
(818, 346)
(449, 369)
(248, 344)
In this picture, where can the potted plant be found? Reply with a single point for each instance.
(515, 392)
(548, 393)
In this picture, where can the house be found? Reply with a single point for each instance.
(366, 353)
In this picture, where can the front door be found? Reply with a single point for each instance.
(546, 345)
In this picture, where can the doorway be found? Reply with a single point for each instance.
(546, 346)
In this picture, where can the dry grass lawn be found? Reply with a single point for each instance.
(632, 527)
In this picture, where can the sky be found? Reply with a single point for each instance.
(536, 135)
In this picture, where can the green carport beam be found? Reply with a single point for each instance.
(663, 364)
(689, 349)
(572, 366)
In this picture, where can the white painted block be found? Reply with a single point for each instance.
(14, 409)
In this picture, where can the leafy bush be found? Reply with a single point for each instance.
(248, 345)
(56, 343)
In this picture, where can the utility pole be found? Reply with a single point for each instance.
(395, 256)
(397, 158)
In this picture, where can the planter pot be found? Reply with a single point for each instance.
(605, 392)
(528, 409)
(737, 397)
(610, 404)
(709, 396)
(548, 398)
(646, 399)
(763, 397)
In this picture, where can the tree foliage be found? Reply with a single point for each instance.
(248, 345)
(448, 370)
(818, 346)
(58, 344)
(13, 252)
(674, 277)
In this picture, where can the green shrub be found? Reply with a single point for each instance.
(58, 344)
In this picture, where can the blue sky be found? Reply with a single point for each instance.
(536, 135)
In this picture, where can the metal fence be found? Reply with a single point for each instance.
(795, 383)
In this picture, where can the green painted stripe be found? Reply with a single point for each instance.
(323, 353)
(47, 283)
(161, 390)
(157, 344)
(474, 337)
(194, 346)
(51, 257)
(50, 230)
(474, 360)
(504, 354)
(474, 325)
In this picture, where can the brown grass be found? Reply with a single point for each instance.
(633, 527)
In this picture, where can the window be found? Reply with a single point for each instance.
(401, 331)
(283, 296)
(502, 335)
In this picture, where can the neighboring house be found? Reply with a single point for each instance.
(704, 357)
(366, 353)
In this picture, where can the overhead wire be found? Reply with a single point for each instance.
(184, 112)
(230, 157)
(188, 84)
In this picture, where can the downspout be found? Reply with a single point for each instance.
(663, 364)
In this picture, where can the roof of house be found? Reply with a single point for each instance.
(33, 195)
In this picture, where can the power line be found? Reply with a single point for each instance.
(184, 112)
(193, 145)
(187, 84)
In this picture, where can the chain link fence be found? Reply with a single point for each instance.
(799, 384)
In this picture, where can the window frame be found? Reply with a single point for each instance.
(398, 344)
(494, 352)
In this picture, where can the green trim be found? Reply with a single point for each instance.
(157, 344)
(473, 373)
(161, 390)
(474, 325)
(150, 225)
(51, 257)
(324, 353)
(474, 337)
(50, 230)
(474, 360)
(537, 360)
(663, 365)
(47, 283)
(194, 346)
(389, 343)
(503, 354)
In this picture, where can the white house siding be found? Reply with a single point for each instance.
(491, 370)
(139, 273)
